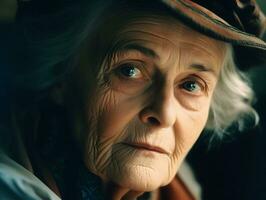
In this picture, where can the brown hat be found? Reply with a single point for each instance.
(239, 22)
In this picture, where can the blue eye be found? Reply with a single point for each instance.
(191, 86)
(129, 71)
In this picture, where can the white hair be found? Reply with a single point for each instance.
(232, 98)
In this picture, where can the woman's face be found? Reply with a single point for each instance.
(143, 108)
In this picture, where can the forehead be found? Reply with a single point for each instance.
(155, 28)
(167, 36)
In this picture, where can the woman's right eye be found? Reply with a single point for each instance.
(129, 71)
(131, 78)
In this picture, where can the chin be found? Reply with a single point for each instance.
(147, 180)
(141, 172)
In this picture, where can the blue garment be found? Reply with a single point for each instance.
(17, 183)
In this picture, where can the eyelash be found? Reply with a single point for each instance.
(195, 79)
(134, 64)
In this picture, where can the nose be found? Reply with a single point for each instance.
(161, 111)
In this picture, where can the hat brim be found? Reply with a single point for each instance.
(249, 49)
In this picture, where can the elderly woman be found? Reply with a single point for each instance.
(110, 96)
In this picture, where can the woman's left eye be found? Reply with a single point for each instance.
(191, 86)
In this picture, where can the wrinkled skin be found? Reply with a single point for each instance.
(153, 90)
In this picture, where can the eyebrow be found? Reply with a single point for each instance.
(150, 53)
(203, 68)
(146, 51)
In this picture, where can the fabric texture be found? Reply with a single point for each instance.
(17, 183)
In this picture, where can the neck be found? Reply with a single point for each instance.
(117, 192)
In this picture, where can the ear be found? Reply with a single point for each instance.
(58, 94)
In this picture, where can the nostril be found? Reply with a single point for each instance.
(153, 121)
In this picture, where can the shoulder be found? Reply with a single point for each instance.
(17, 183)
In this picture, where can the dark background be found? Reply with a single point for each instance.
(235, 168)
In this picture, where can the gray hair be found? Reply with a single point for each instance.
(232, 99)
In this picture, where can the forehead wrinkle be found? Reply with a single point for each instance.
(135, 45)
(157, 33)
(201, 55)
(203, 48)
(158, 44)
(153, 22)
(211, 53)
(147, 33)
(201, 43)
(192, 61)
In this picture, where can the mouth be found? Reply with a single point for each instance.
(148, 147)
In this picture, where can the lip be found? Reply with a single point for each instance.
(148, 147)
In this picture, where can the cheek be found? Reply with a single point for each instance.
(107, 119)
(116, 111)
(187, 130)
(189, 127)
(197, 104)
